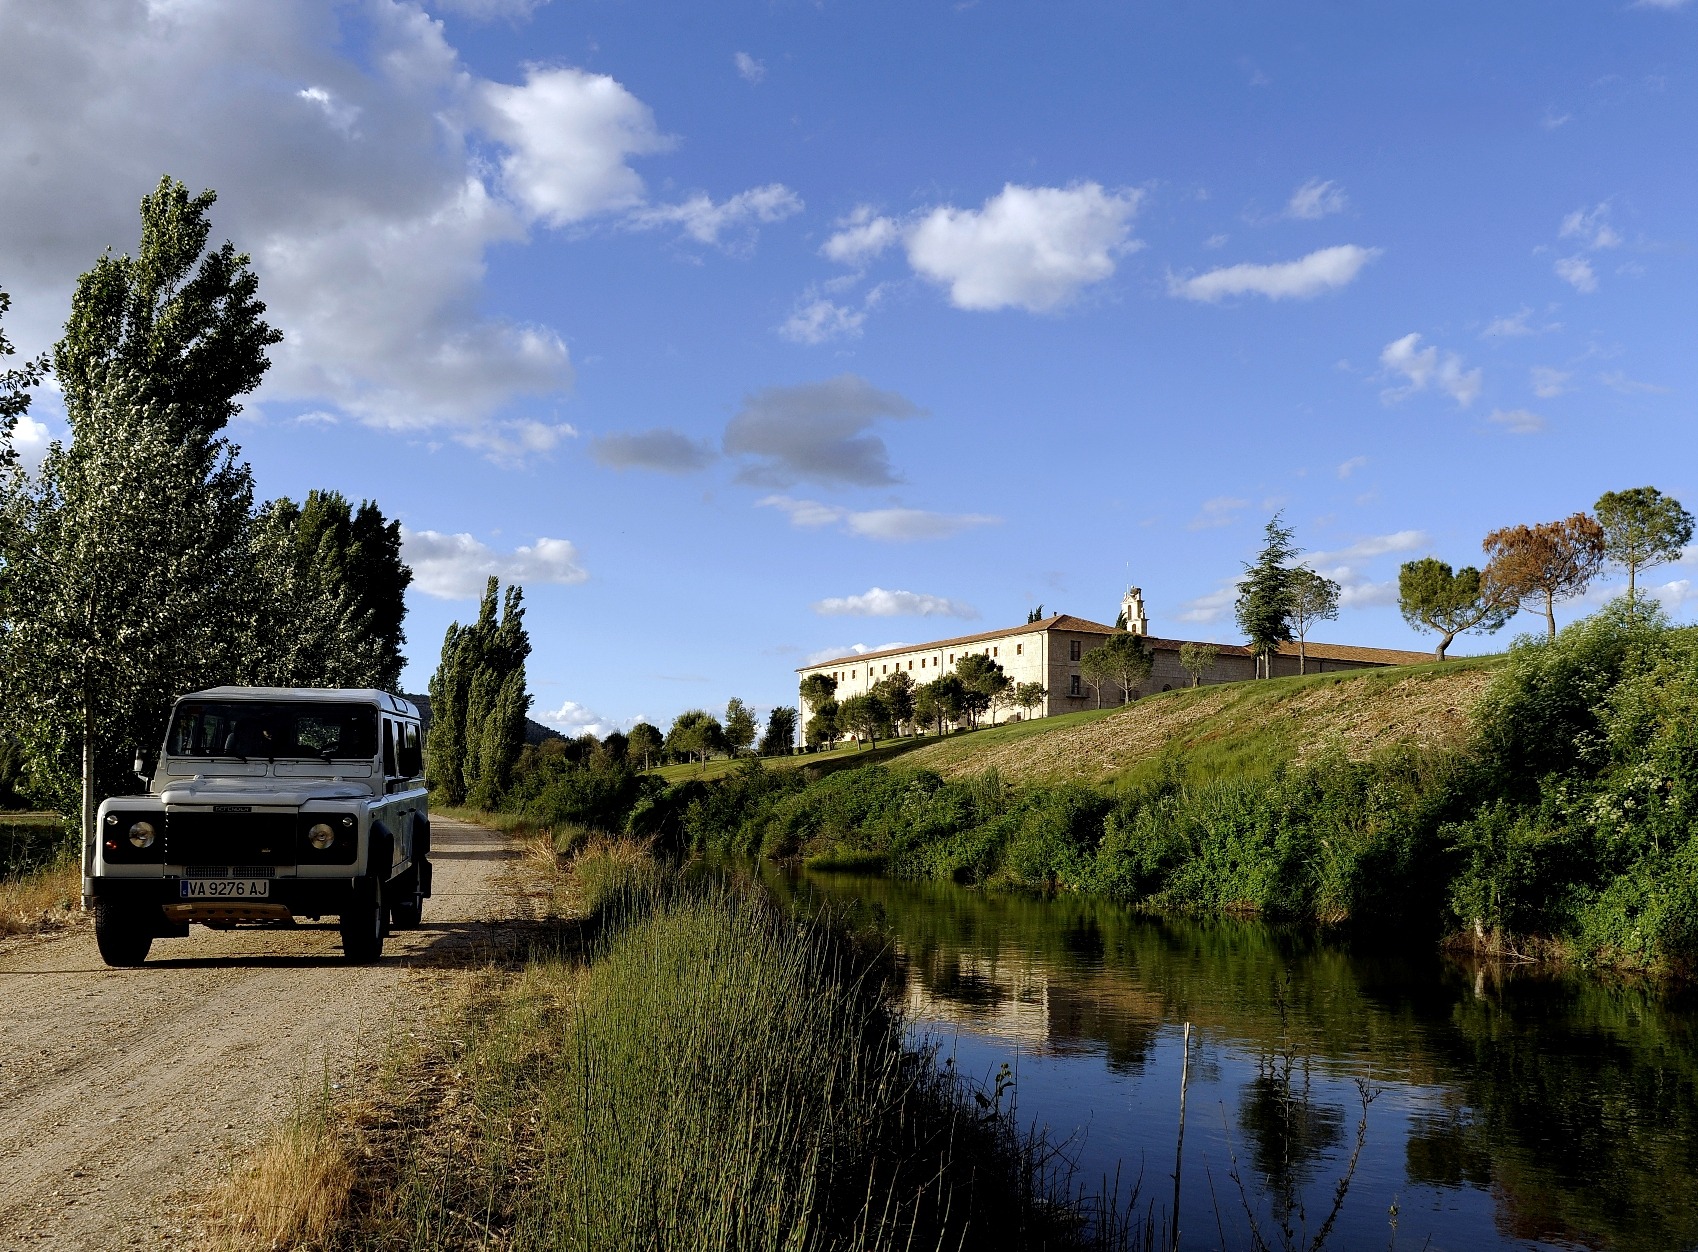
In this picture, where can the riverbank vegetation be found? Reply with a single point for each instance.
(687, 1064)
(1559, 823)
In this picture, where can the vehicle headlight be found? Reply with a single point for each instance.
(321, 836)
(141, 834)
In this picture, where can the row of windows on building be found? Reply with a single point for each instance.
(1019, 650)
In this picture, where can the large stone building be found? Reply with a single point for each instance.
(1048, 651)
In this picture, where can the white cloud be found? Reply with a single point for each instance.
(1316, 199)
(1552, 120)
(1032, 248)
(573, 719)
(1220, 511)
(895, 525)
(514, 443)
(1517, 326)
(1421, 367)
(820, 321)
(29, 440)
(1367, 549)
(860, 237)
(1347, 468)
(1324, 270)
(1666, 5)
(1517, 421)
(569, 134)
(704, 221)
(1211, 607)
(490, 10)
(457, 567)
(851, 649)
(1618, 381)
(1578, 273)
(1548, 382)
(1591, 227)
(877, 602)
(749, 69)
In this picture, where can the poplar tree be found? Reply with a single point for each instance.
(127, 578)
(479, 701)
(780, 736)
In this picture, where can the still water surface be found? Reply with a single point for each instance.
(1511, 1108)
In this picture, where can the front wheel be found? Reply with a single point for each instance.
(121, 934)
(363, 922)
(408, 910)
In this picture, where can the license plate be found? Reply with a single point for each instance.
(224, 888)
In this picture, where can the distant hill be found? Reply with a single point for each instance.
(535, 732)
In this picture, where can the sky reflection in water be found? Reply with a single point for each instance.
(1512, 1108)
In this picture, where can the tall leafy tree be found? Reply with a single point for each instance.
(983, 681)
(739, 726)
(1450, 602)
(822, 726)
(865, 714)
(1121, 659)
(1198, 659)
(1095, 671)
(1028, 696)
(128, 576)
(1545, 563)
(1264, 595)
(696, 733)
(1314, 598)
(479, 701)
(1642, 528)
(17, 385)
(644, 741)
(780, 734)
(896, 691)
(939, 701)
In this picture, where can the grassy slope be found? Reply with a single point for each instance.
(1243, 728)
(1230, 728)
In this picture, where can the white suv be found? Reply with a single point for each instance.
(268, 804)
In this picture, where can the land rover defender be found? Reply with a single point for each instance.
(266, 805)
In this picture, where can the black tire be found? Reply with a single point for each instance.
(121, 934)
(363, 922)
(408, 909)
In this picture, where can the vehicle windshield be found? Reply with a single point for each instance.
(270, 729)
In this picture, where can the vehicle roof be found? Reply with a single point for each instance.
(326, 695)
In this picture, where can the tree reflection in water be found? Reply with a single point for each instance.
(1566, 1104)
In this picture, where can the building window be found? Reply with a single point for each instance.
(1073, 684)
(994, 652)
(1019, 649)
(1073, 652)
(922, 662)
(952, 658)
(884, 669)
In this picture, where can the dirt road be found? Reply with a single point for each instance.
(125, 1093)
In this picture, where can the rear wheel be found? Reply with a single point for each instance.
(362, 922)
(121, 934)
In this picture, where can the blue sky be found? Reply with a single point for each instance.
(748, 332)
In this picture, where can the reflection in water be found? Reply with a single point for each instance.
(1512, 1107)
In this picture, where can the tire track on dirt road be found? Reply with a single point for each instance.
(127, 1092)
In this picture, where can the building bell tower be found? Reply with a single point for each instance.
(1132, 615)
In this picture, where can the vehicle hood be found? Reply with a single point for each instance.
(224, 791)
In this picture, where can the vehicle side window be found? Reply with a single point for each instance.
(412, 759)
(389, 748)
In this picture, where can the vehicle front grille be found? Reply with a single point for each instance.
(200, 839)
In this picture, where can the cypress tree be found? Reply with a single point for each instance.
(1265, 595)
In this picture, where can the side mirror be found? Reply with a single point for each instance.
(141, 767)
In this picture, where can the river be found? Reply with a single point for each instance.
(1510, 1107)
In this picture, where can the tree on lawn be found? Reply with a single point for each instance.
(739, 727)
(780, 735)
(1264, 595)
(1197, 659)
(984, 683)
(939, 701)
(1094, 672)
(127, 559)
(818, 689)
(823, 727)
(1028, 696)
(1433, 597)
(864, 715)
(1642, 528)
(695, 734)
(1314, 598)
(644, 741)
(1545, 563)
(1121, 659)
(896, 691)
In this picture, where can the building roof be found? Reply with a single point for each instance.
(1057, 621)
(1079, 625)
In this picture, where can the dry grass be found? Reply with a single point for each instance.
(44, 899)
(294, 1192)
(1229, 724)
